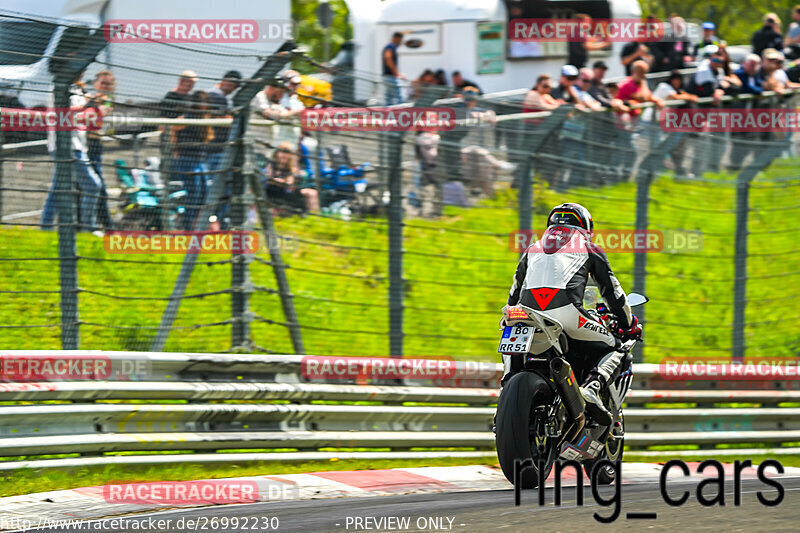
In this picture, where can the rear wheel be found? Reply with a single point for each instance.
(521, 434)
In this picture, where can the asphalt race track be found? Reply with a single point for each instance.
(495, 510)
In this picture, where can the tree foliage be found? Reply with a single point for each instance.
(311, 35)
(736, 20)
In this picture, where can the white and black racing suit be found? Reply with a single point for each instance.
(552, 276)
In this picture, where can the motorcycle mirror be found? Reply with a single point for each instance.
(635, 299)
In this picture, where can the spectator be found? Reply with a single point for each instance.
(440, 77)
(634, 90)
(419, 85)
(673, 52)
(268, 104)
(539, 98)
(451, 140)
(769, 35)
(459, 82)
(578, 49)
(773, 78)
(391, 71)
(636, 51)
(566, 91)
(792, 40)
(706, 81)
(729, 82)
(426, 150)
(191, 145)
(709, 38)
(174, 103)
(284, 180)
(748, 74)
(672, 89)
(291, 100)
(221, 106)
(575, 131)
(87, 179)
(101, 101)
(583, 87)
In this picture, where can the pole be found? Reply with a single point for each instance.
(395, 244)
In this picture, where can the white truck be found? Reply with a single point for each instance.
(144, 71)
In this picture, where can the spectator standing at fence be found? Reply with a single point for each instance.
(102, 101)
(769, 36)
(285, 180)
(175, 102)
(674, 53)
(391, 70)
(672, 89)
(540, 98)
(221, 106)
(709, 37)
(268, 105)
(578, 49)
(191, 144)
(748, 74)
(775, 78)
(86, 178)
(421, 84)
(426, 151)
(459, 82)
(707, 78)
(636, 51)
(792, 39)
(633, 90)
(565, 91)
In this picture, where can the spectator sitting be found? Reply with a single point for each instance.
(748, 74)
(636, 51)
(769, 35)
(578, 49)
(709, 38)
(706, 81)
(792, 40)
(566, 91)
(459, 82)
(283, 180)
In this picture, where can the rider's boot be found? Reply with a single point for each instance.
(594, 404)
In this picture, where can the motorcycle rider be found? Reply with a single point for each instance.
(552, 277)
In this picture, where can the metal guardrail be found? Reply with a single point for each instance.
(206, 403)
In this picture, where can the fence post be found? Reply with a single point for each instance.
(2, 160)
(278, 268)
(395, 177)
(649, 168)
(532, 141)
(242, 98)
(240, 269)
(73, 59)
(762, 160)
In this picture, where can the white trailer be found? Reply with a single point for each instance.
(471, 36)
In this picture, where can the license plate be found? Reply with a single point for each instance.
(516, 339)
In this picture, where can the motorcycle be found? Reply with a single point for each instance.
(541, 416)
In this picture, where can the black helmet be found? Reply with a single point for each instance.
(573, 215)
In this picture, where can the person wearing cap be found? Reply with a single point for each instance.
(706, 81)
(773, 76)
(769, 36)
(221, 106)
(565, 91)
(175, 101)
(709, 37)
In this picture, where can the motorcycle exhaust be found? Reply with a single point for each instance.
(564, 379)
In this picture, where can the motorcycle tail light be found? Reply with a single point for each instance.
(515, 313)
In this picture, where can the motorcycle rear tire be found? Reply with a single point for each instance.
(515, 407)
